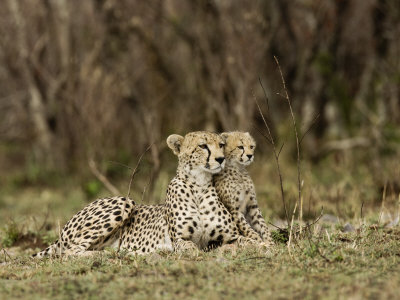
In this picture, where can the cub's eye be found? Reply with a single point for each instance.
(241, 147)
(251, 147)
(203, 146)
(221, 145)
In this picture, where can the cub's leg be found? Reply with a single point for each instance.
(232, 199)
(256, 220)
(220, 227)
(244, 227)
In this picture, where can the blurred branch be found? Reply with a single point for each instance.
(103, 179)
(37, 108)
(346, 144)
(158, 55)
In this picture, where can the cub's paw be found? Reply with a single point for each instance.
(186, 246)
(243, 241)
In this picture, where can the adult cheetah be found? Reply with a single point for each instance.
(236, 189)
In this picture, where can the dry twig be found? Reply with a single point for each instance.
(317, 219)
(310, 127)
(134, 171)
(147, 186)
(6, 255)
(271, 140)
(295, 131)
(383, 203)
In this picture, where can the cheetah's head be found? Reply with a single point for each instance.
(199, 150)
(239, 147)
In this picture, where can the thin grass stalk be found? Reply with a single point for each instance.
(276, 154)
(291, 230)
(295, 131)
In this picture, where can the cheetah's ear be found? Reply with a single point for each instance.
(174, 141)
(225, 135)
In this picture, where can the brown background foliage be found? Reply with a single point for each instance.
(82, 79)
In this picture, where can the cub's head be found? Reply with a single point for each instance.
(239, 147)
(199, 150)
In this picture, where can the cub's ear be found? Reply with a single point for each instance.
(224, 135)
(251, 138)
(174, 141)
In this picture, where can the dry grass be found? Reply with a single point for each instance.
(358, 265)
(324, 262)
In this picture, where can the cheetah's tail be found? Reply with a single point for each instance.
(52, 250)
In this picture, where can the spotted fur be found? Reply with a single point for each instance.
(196, 218)
(236, 189)
(146, 230)
(92, 228)
(140, 229)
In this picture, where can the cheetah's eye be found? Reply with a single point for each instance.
(241, 147)
(251, 147)
(221, 145)
(203, 146)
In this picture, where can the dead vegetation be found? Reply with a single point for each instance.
(102, 79)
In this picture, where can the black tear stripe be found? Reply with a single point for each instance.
(209, 154)
(242, 150)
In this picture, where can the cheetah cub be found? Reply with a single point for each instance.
(236, 189)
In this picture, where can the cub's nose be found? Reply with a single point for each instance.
(220, 159)
(249, 156)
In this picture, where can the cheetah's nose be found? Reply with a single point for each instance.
(220, 159)
(249, 156)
